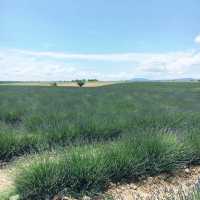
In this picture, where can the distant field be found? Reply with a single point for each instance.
(62, 84)
(85, 138)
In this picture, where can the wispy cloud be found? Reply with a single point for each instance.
(17, 64)
(101, 57)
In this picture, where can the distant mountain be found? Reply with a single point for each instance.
(164, 80)
(139, 80)
(184, 79)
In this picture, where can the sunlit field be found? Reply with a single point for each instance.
(61, 83)
(84, 138)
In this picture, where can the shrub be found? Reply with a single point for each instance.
(14, 144)
(89, 169)
(72, 174)
(192, 140)
(11, 115)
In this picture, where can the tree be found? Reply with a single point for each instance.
(80, 82)
(54, 84)
(92, 80)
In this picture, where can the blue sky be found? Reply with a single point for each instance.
(104, 39)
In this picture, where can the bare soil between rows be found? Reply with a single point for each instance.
(158, 187)
(6, 179)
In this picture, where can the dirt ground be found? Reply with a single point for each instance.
(161, 186)
(6, 179)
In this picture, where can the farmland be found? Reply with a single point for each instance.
(94, 83)
(84, 138)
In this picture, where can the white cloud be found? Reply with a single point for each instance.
(32, 65)
(197, 39)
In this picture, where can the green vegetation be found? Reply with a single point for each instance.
(113, 133)
(91, 168)
(7, 194)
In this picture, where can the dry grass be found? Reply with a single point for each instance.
(63, 84)
(88, 84)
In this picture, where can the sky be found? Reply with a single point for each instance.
(46, 40)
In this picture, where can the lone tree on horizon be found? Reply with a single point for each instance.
(80, 82)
